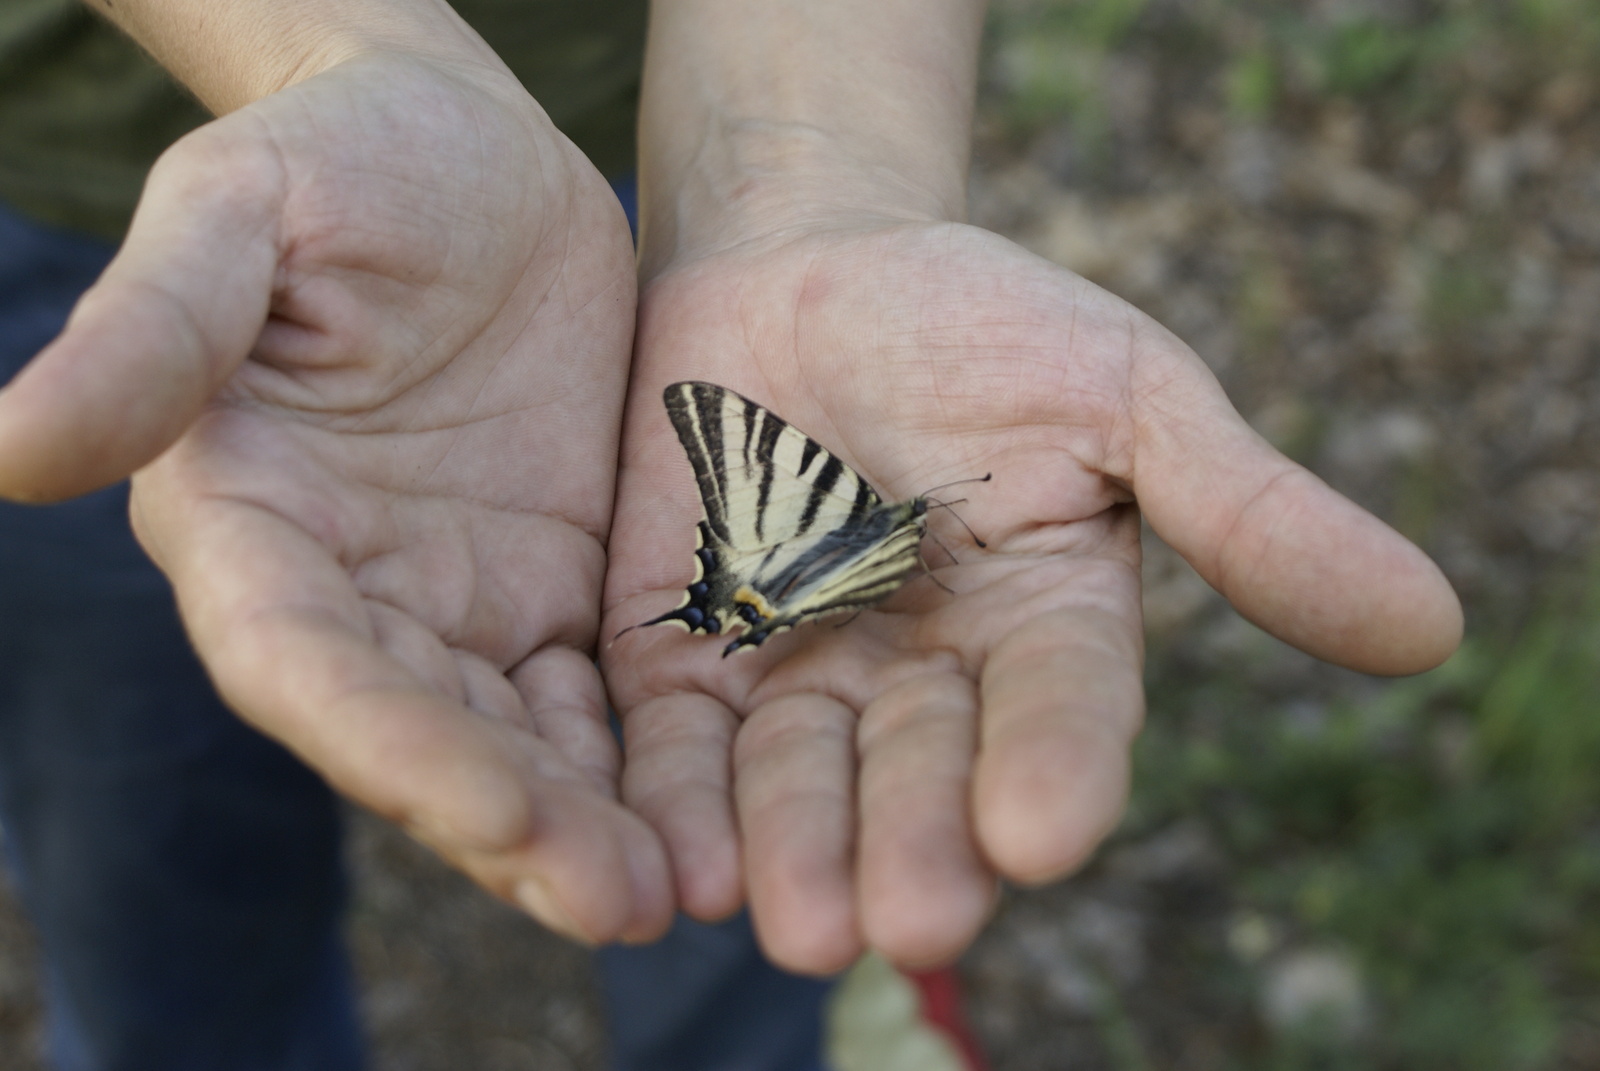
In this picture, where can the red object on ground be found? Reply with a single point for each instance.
(941, 1007)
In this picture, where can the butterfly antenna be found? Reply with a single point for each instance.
(947, 505)
(985, 478)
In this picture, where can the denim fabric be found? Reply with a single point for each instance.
(704, 999)
(182, 870)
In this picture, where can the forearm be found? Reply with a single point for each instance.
(762, 116)
(231, 52)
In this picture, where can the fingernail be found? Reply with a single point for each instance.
(537, 900)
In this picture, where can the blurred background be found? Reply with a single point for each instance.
(1378, 221)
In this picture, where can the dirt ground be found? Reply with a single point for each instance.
(1398, 282)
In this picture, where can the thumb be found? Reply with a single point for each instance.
(1291, 554)
(166, 324)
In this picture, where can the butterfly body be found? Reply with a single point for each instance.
(788, 533)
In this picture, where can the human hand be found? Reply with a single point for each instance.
(867, 783)
(377, 327)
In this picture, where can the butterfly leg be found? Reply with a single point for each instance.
(940, 544)
(924, 563)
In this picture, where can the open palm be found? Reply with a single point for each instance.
(866, 784)
(386, 315)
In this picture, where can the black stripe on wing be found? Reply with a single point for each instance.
(866, 499)
(772, 426)
(809, 454)
(750, 414)
(696, 413)
(821, 488)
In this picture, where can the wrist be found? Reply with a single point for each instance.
(233, 52)
(754, 181)
(765, 120)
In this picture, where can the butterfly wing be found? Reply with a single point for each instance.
(762, 481)
(789, 532)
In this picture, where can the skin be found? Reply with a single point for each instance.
(868, 785)
(370, 330)
(368, 344)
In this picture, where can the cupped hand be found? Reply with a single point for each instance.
(377, 326)
(865, 784)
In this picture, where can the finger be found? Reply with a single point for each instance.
(417, 648)
(486, 690)
(1289, 552)
(1062, 701)
(170, 319)
(260, 595)
(487, 794)
(677, 775)
(924, 890)
(566, 702)
(578, 843)
(794, 765)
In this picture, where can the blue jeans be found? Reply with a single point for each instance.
(184, 871)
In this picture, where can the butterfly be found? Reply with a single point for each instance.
(788, 532)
